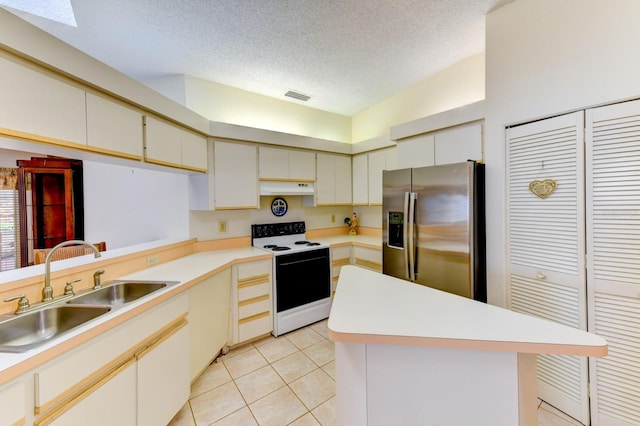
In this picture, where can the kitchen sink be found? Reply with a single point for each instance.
(27, 331)
(119, 293)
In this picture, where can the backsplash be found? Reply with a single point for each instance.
(204, 224)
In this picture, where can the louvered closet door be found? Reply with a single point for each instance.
(613, 247)
(546, 246)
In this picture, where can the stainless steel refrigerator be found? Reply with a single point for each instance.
(434, 227)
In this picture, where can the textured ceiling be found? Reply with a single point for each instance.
(345, 54)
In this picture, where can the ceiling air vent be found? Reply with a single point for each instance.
(297, 95)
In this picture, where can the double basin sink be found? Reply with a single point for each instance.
(29, 330)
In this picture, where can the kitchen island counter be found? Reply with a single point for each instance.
(405, 351)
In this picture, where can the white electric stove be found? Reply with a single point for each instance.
(301, 274)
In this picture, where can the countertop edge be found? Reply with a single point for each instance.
(484, 345)
(372, 308)
(30, 361)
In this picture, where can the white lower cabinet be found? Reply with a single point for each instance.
(209, 304)
(340, 256)
(251, 305)
(163, 378)
(112, 402)
(13, 407)
(135, 373)
(366, 257)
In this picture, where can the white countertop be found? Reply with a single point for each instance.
(370, 307)
(363, 240)
(196, 265)
(185, 270)
(38, 270)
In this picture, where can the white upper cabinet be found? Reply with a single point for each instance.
(162, 143)
(38, 106)
(333, 183)
(367, 175)
(377, 163)
(286, 164)
(343, 180)
(384, 159)
(113, 128)
(236, 176)
(172, 146)
(273, 163)
(302, 165)
(194, 151)
(453, 145)
(417, 151)
(360, 176)
(459, 144)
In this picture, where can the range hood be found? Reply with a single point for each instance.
(286, 188)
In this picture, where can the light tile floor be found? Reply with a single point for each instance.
(288, 380)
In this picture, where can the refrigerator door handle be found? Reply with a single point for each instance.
(405, 227)
(411, 246)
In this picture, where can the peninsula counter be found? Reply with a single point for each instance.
(411, 355)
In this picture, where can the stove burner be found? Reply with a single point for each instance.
(270, 246)
(279, 248)
(307, 243)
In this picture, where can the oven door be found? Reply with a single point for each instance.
(302, 278)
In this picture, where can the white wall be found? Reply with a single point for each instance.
(124, 204)
(128, 205)
(546, 57)
(173, 87)
(458, 85)
(204, 224)
(227, 104)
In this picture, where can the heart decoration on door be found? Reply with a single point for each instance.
(543, 188)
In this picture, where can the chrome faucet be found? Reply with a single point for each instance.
(47, 291)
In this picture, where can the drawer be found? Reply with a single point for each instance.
(372, 255)
(262, 324)
(253, 269)
(342, 252)
(254, 306)
(368, 258)
(338, 262)
(375, 266)
(256, 290)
